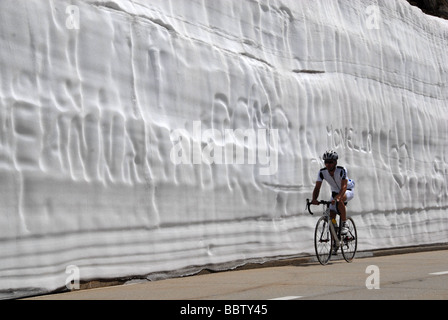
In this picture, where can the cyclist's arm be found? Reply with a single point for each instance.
(343, 190)
(316, 192)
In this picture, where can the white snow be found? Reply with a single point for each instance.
(102, 165)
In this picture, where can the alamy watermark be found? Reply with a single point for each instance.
(72, 280)
(373, 18)
(72, 21)
(212, 146)
(373, 280)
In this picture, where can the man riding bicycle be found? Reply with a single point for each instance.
(341, 187)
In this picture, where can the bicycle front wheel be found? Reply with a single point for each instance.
(322, 241)
(350, 241)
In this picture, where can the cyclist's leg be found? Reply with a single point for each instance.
(342, 209)
(338, 210)
(349, 195)
(333, 209)
(342, 204)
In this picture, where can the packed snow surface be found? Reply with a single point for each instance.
(161, 137)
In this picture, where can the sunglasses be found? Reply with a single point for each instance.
(329, 161)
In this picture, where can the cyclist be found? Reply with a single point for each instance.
(341, 187)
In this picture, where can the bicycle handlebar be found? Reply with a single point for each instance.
(308, 204)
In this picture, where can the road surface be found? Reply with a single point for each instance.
(422, 275)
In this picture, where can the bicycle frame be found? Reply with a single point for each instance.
(326, 213)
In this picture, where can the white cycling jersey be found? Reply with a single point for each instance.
(334, 181)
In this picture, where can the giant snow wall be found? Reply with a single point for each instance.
(162, 137)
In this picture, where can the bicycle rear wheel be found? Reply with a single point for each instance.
(350, 241)
(322, 241)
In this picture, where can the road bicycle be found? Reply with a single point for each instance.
(328, 238)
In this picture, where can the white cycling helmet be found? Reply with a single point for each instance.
(330, 155)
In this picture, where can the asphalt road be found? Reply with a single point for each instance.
(422, 275)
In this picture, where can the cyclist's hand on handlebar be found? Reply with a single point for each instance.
(315, 202)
